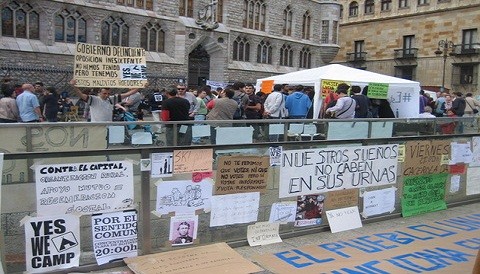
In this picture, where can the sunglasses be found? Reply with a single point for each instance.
(181, 88)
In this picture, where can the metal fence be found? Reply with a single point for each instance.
(27, 145)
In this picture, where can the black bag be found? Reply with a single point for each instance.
(475, 110)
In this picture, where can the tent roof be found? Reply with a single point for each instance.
(335, 72)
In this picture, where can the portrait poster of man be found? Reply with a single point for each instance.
(183, 229)
(309, 210)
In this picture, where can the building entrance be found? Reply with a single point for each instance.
(198, 67)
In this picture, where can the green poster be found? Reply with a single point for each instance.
(424, 193)
(377, 91)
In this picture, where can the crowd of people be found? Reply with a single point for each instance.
(35, 103)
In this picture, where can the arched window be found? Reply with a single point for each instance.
(139, 4)
(152, 37)
(306, 23)
(286, 56)
(21, 21)
(70, 27)
(254, 12)
(353, 9)
(114, 32)
(287, 21)
(305, 58)
(325, 32)
(369, 6)
(241, 49)
(264, 53)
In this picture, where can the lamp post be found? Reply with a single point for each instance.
(444, 46)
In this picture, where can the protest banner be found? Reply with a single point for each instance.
(239, 174)
(195, 160)
(215, 258)
(84, 188)
(52, 243)
(446, 246)
(311, 171)
(114, 236)
(109, 66)
(423, 193)
(330, 86)
(425, 157)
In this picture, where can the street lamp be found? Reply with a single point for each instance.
(444, 46)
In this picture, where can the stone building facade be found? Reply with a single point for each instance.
(403, 38)
(245, 40)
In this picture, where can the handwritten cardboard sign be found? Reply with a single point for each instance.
(341, 198)
(424, 157)
(215, 258)
(195, 160)
(424, 193)
(377, 91)
(263, 233)
(239, 174)
(318, 170)
(109, 66)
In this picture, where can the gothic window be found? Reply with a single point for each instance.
(286, 56)
(341, 12)
(241, 49)
(386, 5)
(152, 37)
(254, 14)
(306, 25)
(70, 27)
(325, 32)
(369, 6)
(185, 8)
(20, 20)
(353, 9)
(305, 58)
(114, 32)
(287, 21)
(403, 3)
(139, 4)
(264, 53)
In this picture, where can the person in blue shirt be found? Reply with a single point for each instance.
(28, 105)
(298, 104)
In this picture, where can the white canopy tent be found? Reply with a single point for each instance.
(403, 95)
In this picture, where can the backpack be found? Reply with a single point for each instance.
(239, 112)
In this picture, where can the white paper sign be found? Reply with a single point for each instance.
(313, 171)
(52, 243)
(162, 165)
(473, 180)
(263, 233)
(475, 151)
(183, 196)
(234, 135)
(84, 188)
(234, 209)
(133, 71)
(454, 183)
(343, 219)
(275, 155)
(378, 201)
(274, 129)
(461, 153)
(200, 131)
(347, 130)
(114, 236)
(283, 212)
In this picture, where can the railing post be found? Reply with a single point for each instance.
(146, 243)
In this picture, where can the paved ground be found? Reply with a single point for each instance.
(325, 237)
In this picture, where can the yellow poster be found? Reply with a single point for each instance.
(109, 66)
(330, 86)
